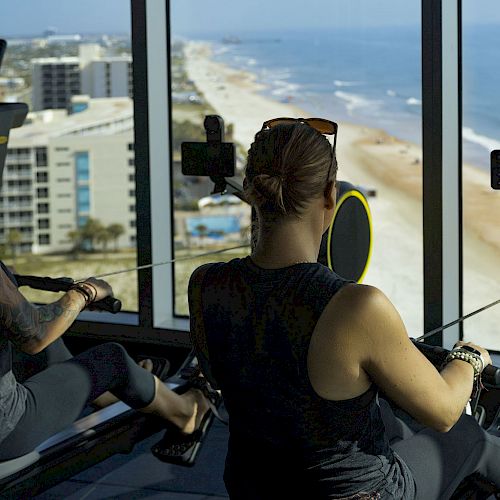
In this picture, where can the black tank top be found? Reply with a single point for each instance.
(258, 324)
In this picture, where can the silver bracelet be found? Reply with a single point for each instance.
(473, 359)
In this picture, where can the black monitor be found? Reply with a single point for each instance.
(12, 115)
(3, 46)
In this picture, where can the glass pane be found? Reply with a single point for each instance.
(355, 63)
(69, 177)
(481, 204)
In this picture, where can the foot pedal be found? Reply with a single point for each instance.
(175, 447)
(182, 449)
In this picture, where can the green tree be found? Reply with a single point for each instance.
(90, 231)
(103, 237)
(115, 231)
(76, 238)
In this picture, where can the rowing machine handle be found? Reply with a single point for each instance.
(109, 304)
(437, 355)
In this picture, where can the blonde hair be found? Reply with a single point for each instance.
(287, 166)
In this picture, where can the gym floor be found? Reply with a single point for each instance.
(140, 475)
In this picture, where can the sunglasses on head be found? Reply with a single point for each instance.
(322, 125)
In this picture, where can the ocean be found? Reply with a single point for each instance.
(372, 77)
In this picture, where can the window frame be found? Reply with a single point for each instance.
(442, 178)
(151, 81)
(442, 172)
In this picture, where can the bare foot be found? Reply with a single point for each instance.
(147, 364)
(199, 405)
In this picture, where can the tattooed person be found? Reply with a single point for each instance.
(46, 402)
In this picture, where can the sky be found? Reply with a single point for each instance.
(23, 17)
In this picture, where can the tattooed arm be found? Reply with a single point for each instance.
(33, 328)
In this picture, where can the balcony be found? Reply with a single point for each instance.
(5, 206)
(18, 221)
(10, 158)
(17, 174)
(25, 238)
(14, 190)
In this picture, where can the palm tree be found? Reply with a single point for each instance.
(115, 231)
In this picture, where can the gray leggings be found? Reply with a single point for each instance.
(440, 461)
(65, 385)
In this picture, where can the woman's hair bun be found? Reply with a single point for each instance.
(267, 189)
(287, 166)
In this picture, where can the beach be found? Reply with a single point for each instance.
(376, 160)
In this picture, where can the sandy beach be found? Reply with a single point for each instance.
(376, 160)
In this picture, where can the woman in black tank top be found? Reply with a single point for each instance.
(299, 354)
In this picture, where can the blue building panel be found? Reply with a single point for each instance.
(82, 166)
(83, 199)
(214, 224)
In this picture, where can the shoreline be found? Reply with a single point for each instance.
(374, 159)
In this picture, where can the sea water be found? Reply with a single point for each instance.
(371, 76)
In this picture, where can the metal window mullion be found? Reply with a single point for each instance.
(432, 164)
(451, 161)
(142, 160)
(160, 159)
(441, 117)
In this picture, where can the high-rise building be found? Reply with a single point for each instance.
(62, 169)
(55, 80)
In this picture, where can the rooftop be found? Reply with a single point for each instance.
(56, 60)
(103, 116)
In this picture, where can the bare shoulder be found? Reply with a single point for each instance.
(361, 339)
(355, 305)
(358, 325)
(362, 318)
(337, 347)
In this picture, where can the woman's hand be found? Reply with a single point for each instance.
(484, 352)
(101, 287)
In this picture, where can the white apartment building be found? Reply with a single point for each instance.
(63, 168)
(56, 80)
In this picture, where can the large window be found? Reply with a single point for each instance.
(78, 141)
(351, 62)
(481, 204)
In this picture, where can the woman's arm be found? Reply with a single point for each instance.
(362, 322)
(33, 328)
